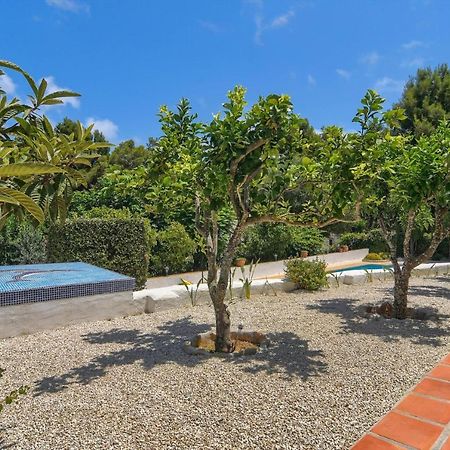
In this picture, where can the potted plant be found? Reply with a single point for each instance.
(240, 262)
(303, 253)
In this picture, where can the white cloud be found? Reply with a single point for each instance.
(105, 126)
(413, 44)
(69, 5)
(387, 84)
(53, 87)
(7, 84)
(282, 20)
(413, 62)
(370, 59)
(311, 80)
(343, 73)
(210, 26)
(262, 25)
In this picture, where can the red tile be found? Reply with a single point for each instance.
(427, 408)
(442, 372)
(446, 445)
(407, 430)
(446, 360)
(434, 388)
(369, 442)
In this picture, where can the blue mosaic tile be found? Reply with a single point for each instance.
(42, 282)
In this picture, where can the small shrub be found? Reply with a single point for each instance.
(174, 249)
(308, 275)
(373, 257)
(116, 244)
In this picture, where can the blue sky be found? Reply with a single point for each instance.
(127, 58)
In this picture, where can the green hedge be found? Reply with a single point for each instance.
(264, 241)
(120, 245)
(371, 239)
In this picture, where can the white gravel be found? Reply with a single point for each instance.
(126, 383)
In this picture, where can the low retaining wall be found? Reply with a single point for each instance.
(353, 277)
(29, 318)
(161, 299)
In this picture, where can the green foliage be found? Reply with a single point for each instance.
(99, 166)
(39, 168)
(306, 238)
(308, 275)
(426, 100)
(174, 249)
(30, 245)
(22, 243)
(264, 241)
(374, 257)
(371, 239)
(116, 244)
(13, 395)
(105, 212)
(129, 156)
(118, 189)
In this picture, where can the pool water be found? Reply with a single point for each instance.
(365, 267)
(42, 282)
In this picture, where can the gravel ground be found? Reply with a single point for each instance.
(126, 383)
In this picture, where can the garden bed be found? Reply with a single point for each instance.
(328, 375)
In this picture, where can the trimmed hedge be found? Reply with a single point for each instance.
(120, 245)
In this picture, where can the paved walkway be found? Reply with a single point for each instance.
(420, 421)
(263, 270)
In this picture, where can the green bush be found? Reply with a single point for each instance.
(265, 241)
(22, 243)
(174, 249)
(116, 244)
(308, 275)
(104, 212)
(373, 257)
(372, 239)
(306, 238)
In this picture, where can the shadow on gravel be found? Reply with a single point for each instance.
(288, 355)
(5, 445)
(423, 332)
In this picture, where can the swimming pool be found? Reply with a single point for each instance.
(42, 282)
(365, 267)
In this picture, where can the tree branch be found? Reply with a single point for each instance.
(410, 222)
(439, 235)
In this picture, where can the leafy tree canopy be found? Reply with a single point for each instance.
(426, 100)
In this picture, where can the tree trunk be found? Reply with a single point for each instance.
(218, 290)
(401, 286)
(223, 323)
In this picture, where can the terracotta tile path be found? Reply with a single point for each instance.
(420, 421)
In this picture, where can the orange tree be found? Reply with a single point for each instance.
(248, 161)
(405, 185)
